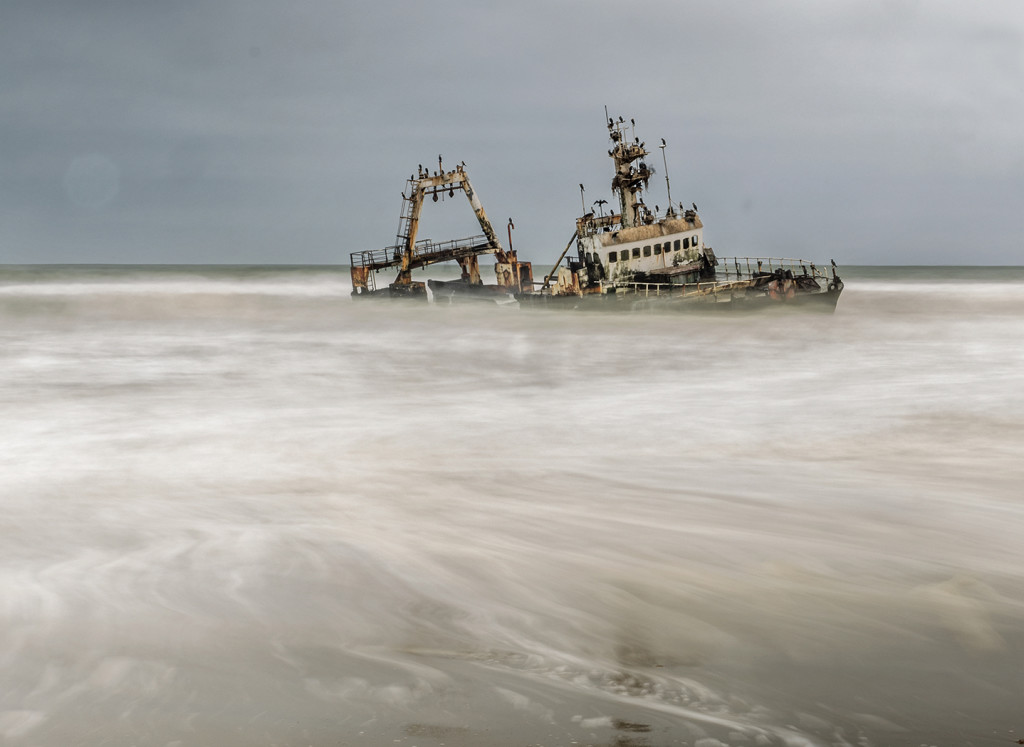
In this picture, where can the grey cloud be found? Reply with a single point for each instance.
(259, 132)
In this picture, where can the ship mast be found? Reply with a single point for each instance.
(629, 178)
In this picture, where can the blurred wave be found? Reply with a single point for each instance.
(240, 508)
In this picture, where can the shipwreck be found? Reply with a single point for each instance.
(631, 258)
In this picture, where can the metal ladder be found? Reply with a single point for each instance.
(405, 216)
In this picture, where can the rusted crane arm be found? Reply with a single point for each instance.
(547, 280)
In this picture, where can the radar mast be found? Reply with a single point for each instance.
(629, 178)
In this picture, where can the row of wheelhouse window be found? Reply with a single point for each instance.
(669, 246)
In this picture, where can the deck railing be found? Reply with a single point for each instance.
(376, 257)
(729, 270)
(427, 248)
(424, 249)
(672, 289)
(743, 268)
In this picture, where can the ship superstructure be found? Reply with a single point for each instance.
(637, 242)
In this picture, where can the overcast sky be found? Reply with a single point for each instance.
(238, 131)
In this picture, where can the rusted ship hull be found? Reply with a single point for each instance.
(675, 301)
(456, 291)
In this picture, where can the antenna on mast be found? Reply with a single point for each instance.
(668, 185)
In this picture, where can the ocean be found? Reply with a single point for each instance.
(240, 508)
